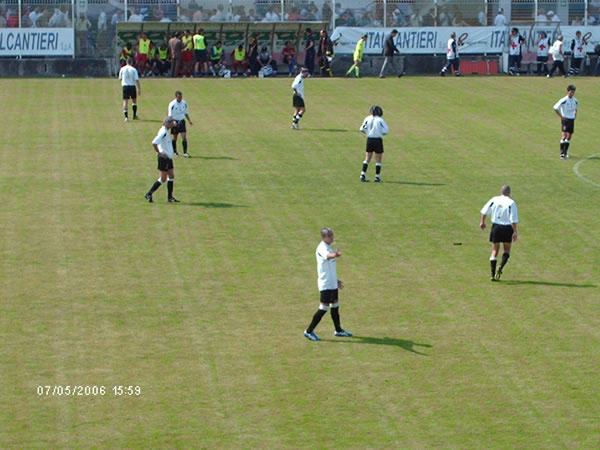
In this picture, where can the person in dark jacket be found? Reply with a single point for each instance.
(389, 51)
(325, 54)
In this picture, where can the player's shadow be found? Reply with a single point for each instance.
(547, 283)
(206, 158)
(405, 344)
(329, 130)
(414, 183)
(212, 204)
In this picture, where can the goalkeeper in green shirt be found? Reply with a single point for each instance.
(358, 56)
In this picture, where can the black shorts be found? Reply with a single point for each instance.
(129, 92)
(329, 296)
(374, 145)
(180, 128)
(297, 101)
(164, 164)
(501, 233)
(568, 125)
(201, 56)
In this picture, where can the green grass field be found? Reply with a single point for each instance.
(202, 304)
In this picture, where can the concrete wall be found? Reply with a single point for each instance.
(59, 67)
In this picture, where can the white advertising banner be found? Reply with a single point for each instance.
(433, 40)
(36, 42)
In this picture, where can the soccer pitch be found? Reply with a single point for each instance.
(201, 305)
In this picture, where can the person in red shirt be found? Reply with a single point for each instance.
(289, 57)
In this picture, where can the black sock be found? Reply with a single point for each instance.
(184, 145)
(335, 316)
(377, 169)
(125, 113)
(567, 143)
(295, 119)
(154, 187)
(365, 166)
(493, 266)
(174, 146)
(170, 188)
(505, 257)
(134, 110)
(315, 320)
(299, 116)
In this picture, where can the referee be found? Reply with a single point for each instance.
(129, 79)
(179, 111)
(504, 216)
(566, 109)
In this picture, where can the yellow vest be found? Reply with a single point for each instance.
(188, 42)
(162, 54)
(239, 55)
(128, 54)
(199, 42)
(144, 46)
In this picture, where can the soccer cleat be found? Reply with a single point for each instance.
(401, 74)
(548, 76)
(311, 336)
(563, 157)
(443, 73)
(492, 278)
(126, 119)
(186, 155)
(566, 156)
(381, 76)
(172, 200)
(343, 333)
(363, 179)
(148, 197)
(498, 275)
(377, 180)
(136, 117)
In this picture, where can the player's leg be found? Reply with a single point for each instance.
(134, 108)
(505, 256)
(456, 67)
(335, 316)
(365, 165)
(357, 68)
(445, 68)
(184, 143)
(299, 112)
(162, 177)
(494, 258)
(174, 134)
(568, 136)
(170, 185)
(125, 109)
(378, 165)
(386, 60)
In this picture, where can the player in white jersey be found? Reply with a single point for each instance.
(543, 45)
(566, 109)
(559, 57)
(179, 111)
(504, 216)
(375, 128)
(577, 54)
(452, 56)
(298, 98)
(164, 151)
(129, 79)
(328, 284)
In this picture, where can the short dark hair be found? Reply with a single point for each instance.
(571, 87)
(326, 231)
(178, 93)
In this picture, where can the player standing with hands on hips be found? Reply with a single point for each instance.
(179, 111)
(375, 128)
(298, 98)
(328, 287)
(164, 150)
(566, 109)
(504, 216)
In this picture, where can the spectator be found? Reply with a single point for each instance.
(199, 15)
(429, 18)
(541, 18)
(117, 17)
(309, 52)
(44, 19)
(326, 13)
(515, 53)
(102, 23)
(82, 26)
(253, 55)
(500, 20)
(289, 58)
(126, 53)
(292, 15)
(136, 16)
(251, 16)
(12, 20)
(576, 22)
(3, 20)
(267, 66)
(239, 57)
(187, 55)
(176, 50)
(553, 17)
(162, 64)
(272, 16)
(459, 21)
(325, 53)
(142, 57)
(219, 15)
(34, 16)
(543, 46)
(481, 17)
(216, 58)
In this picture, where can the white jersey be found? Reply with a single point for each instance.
(543, 46)
(514, 44)
(163, 140)
(502, 209)
(556, 51)
(374, 127)
(326, 268)
(567, 107)
(298, 84)
(178, 110)
(577, 48)
(128, 75)
(451, 49)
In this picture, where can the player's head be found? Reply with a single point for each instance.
(178, 95)
(505, 190)
(453, 35)
(130, 61)
(543, 35)
(241, 46)
(364, 37)
(571, 90)
(169, 122)
(514, 30)
(578, 34)
(129, 46)
(308, 31)
(394, 32)
(376, 110)
(327, 235)
(219, 44)
(559, 38)
(304, 72)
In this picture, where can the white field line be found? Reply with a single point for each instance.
(576, 169)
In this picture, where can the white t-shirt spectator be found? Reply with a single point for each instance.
(500, 20)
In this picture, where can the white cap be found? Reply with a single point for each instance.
(550, 13)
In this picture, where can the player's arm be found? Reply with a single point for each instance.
(557, 111)
(515, 236)
(188, 118)
(384, 127)
(482, 224)
(364, 126)
(139, 87)
(334, 255)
